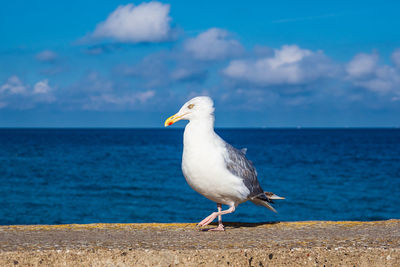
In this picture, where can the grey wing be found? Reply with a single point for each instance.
(238, 165)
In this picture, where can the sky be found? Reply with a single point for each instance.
(264, 63)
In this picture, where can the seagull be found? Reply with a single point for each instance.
(214, 168)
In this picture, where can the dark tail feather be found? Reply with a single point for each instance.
(265, 199)
(264, 203)
(271, 195)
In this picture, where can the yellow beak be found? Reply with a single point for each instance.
(171, 120)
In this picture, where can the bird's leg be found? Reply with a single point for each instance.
(220, 225)
(214, 215)
(219, 207)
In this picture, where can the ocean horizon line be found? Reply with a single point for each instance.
(217, 127)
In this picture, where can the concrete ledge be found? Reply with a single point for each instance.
(316, 243)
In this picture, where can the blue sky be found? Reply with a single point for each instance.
(134, 63)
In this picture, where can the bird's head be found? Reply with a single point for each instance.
(196, 108)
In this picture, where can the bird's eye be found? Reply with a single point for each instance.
(191, 106)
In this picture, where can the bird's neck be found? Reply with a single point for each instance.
(199, 129)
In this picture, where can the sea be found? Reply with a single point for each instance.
(62, 176)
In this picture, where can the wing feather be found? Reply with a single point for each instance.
(237, 163)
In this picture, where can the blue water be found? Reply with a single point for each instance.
(55, 176)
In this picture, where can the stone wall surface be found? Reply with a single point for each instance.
(313, 243)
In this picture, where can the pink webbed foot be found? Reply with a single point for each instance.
(219, 228)
(214, 215)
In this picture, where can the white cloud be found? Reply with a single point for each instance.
(187, 74)
(147, 22)
(362, 64)
(13, 85)
(130, 100)
(144, 96)
(383, 79)
(181, 73)
(42, 87)
(213, 44)
(364, 71)
(94, 82)
(46, 56)
(288, 65)
(97, 92)
(396, 57)
(15, 94)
